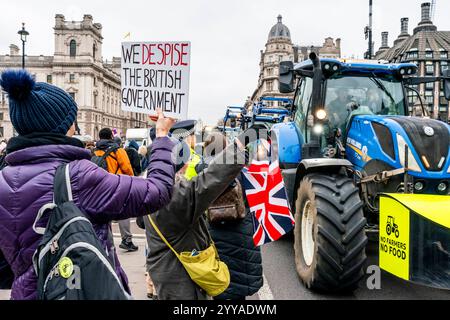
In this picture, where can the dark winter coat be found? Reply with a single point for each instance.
(26, 184)
(135, 160)
(234, 241)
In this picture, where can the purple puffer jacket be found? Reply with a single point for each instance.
(27, 184)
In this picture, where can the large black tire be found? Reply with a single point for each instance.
(338, 232)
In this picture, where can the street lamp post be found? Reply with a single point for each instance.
(23, 36)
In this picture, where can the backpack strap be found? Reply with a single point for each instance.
(62, 192)
(62, 189)
(108, 153)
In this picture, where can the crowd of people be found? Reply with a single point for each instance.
(188, 203)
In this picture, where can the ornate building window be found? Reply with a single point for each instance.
(94, 49)
(72, 77)
(73, 48)
(444, 55)
(429, 69)
(72, 94)
(444, 66)
(429, 97)
(429, 54)
(49, 78)
(412, 55)
(269, 85)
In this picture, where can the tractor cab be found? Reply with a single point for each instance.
(343, 90)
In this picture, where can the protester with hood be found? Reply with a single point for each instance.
(183, 222)
(234, 239)
(133, 155)
(143, 151)
(44, 116)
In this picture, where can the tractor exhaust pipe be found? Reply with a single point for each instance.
(316, 103)
(315, 60)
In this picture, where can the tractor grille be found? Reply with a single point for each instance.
(432, 148)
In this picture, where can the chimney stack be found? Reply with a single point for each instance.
(338, 43)
(384, 39)
(426, 11)
(425, 24)
(404, 26)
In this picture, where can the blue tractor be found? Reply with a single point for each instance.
(263, 113)
(350, 140)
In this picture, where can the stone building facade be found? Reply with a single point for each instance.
(279, 47)
(429, 49)
(77, 67)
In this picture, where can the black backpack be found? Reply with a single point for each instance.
(70, 262)
(101, 160)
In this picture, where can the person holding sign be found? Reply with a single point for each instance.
(44, 117)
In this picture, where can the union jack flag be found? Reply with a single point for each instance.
(267, 199)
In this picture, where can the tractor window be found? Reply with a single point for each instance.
(302, 103)
(362, 95)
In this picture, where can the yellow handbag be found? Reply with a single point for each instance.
(205, 269)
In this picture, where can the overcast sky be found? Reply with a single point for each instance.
(226, 35)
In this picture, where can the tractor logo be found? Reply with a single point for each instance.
(428, 131)
(391, 227)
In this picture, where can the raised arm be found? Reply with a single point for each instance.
(104, 196)
(196, 195)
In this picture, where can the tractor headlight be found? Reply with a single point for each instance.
(318, 129)
(412, 162)
(321, 114)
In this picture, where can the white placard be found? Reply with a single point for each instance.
(156, 74)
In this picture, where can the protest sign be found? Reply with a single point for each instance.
(156, 74)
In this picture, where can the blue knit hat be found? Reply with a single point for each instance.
(37, 106)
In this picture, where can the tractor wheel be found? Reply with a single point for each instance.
(388, 229)
(330, 237)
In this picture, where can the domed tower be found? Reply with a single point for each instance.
(279, 48)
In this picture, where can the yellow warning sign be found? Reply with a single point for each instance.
(394, 237)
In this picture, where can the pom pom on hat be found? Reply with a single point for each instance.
(17, 83)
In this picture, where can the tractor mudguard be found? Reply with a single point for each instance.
(287, 144)
(415, 238)
(292, 177)
(321, 164)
